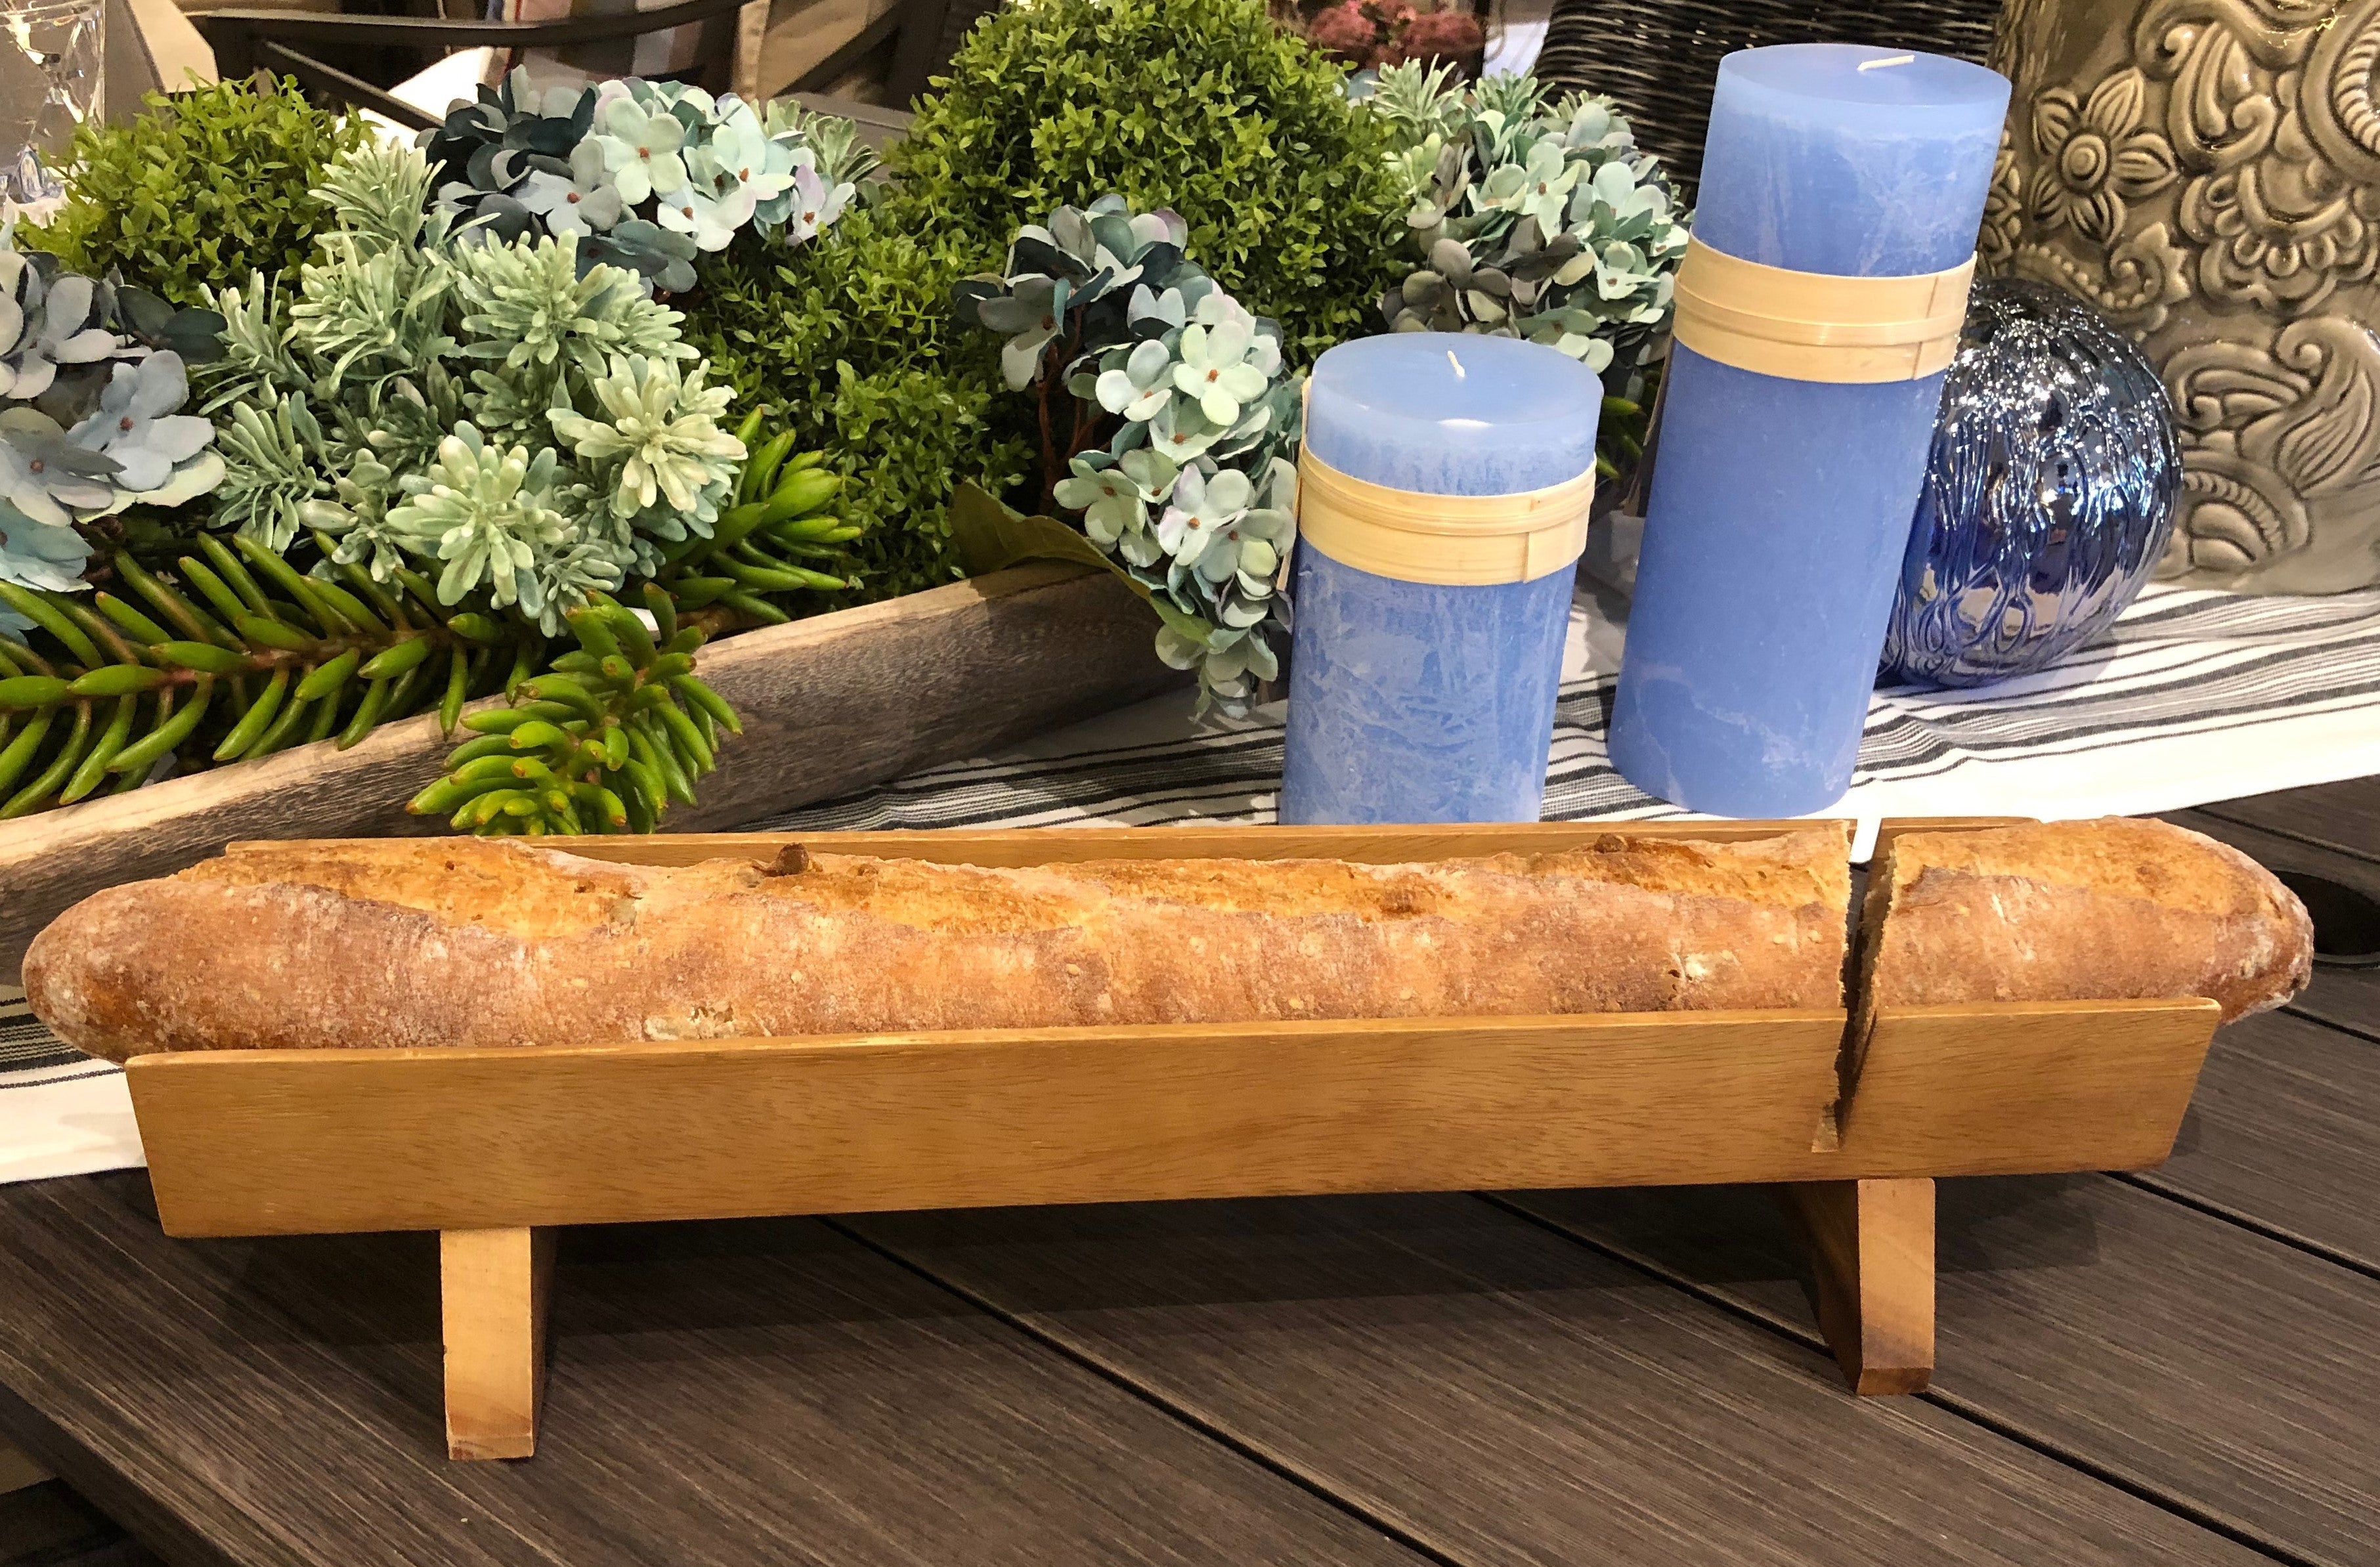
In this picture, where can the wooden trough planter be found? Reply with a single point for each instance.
(493, 1147)
(829, 705)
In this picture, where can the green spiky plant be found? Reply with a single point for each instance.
(605, 743)
(241, 658)
(229, 652)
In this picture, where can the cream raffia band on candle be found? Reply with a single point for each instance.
(1456, 541)
(1818, 326)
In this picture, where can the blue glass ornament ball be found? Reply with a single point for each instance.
(2048, 495)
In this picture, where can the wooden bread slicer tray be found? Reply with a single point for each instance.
(494, 1146)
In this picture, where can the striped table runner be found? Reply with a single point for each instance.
(2192, 697)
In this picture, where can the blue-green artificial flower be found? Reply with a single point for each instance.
(37, 554)
(641, 149)
(137, 422)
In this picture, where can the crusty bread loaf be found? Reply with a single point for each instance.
(492, 942)
(2114, 909)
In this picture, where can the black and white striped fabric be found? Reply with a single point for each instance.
(2192, 697)
(29, 1052)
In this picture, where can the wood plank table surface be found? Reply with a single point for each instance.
(2171, 1366)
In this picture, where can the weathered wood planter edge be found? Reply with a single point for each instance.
(829, 705)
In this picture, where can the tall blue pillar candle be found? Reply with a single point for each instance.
(1780, 507)
(1442, 501)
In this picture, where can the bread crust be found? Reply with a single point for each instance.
(2120, 908)
(408, 942)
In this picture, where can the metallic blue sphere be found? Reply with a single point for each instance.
(2049, 495)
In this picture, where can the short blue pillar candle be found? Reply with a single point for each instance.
(1420, 701)
(1780, 508)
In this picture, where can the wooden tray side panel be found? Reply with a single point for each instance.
(2024, 1088)
(300, 1142)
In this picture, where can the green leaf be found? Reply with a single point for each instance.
(990, 534)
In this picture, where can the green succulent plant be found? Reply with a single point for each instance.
(228, 652)
(244, 657)
(493, 515)
(527, 409)
(216, 182)
(667, 462)
(606, 741)
(533, 310)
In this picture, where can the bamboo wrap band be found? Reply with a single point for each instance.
(1818, 326)
(1456, 541)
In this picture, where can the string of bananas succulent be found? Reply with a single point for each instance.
(231, 652)
(605, 743)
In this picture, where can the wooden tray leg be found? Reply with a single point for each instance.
(492, 1289)
(1870, 1250)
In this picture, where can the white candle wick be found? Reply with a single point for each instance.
(1456, 363)
(1887, 60)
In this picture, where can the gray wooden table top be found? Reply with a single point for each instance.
(2168, 1367)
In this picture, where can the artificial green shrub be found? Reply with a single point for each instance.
(201, 188)
(852, 336)
(1205, 106)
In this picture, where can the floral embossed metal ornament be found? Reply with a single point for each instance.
(2207, 174)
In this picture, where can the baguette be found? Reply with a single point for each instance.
(495, 942)
(2115, 909)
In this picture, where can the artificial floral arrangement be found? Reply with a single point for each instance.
(425, 459)
(1202, 107)
(646, 174)
(452, 422)
(1536, 217)
(1181, 427)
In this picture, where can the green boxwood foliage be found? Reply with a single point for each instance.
(1201, 106)
(852, 335)
(1205, 106)
(201, 188)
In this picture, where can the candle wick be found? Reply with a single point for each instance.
(1456, 363)
(1887, 60)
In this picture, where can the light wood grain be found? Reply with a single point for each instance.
(250, 1142)
(1871, 1249)
(297, 1141)
(493, 1286)
(2023, 1088)
(829, 705)
(290, 1141)
(1892, 827)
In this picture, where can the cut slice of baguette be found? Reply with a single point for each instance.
(2115, 909)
